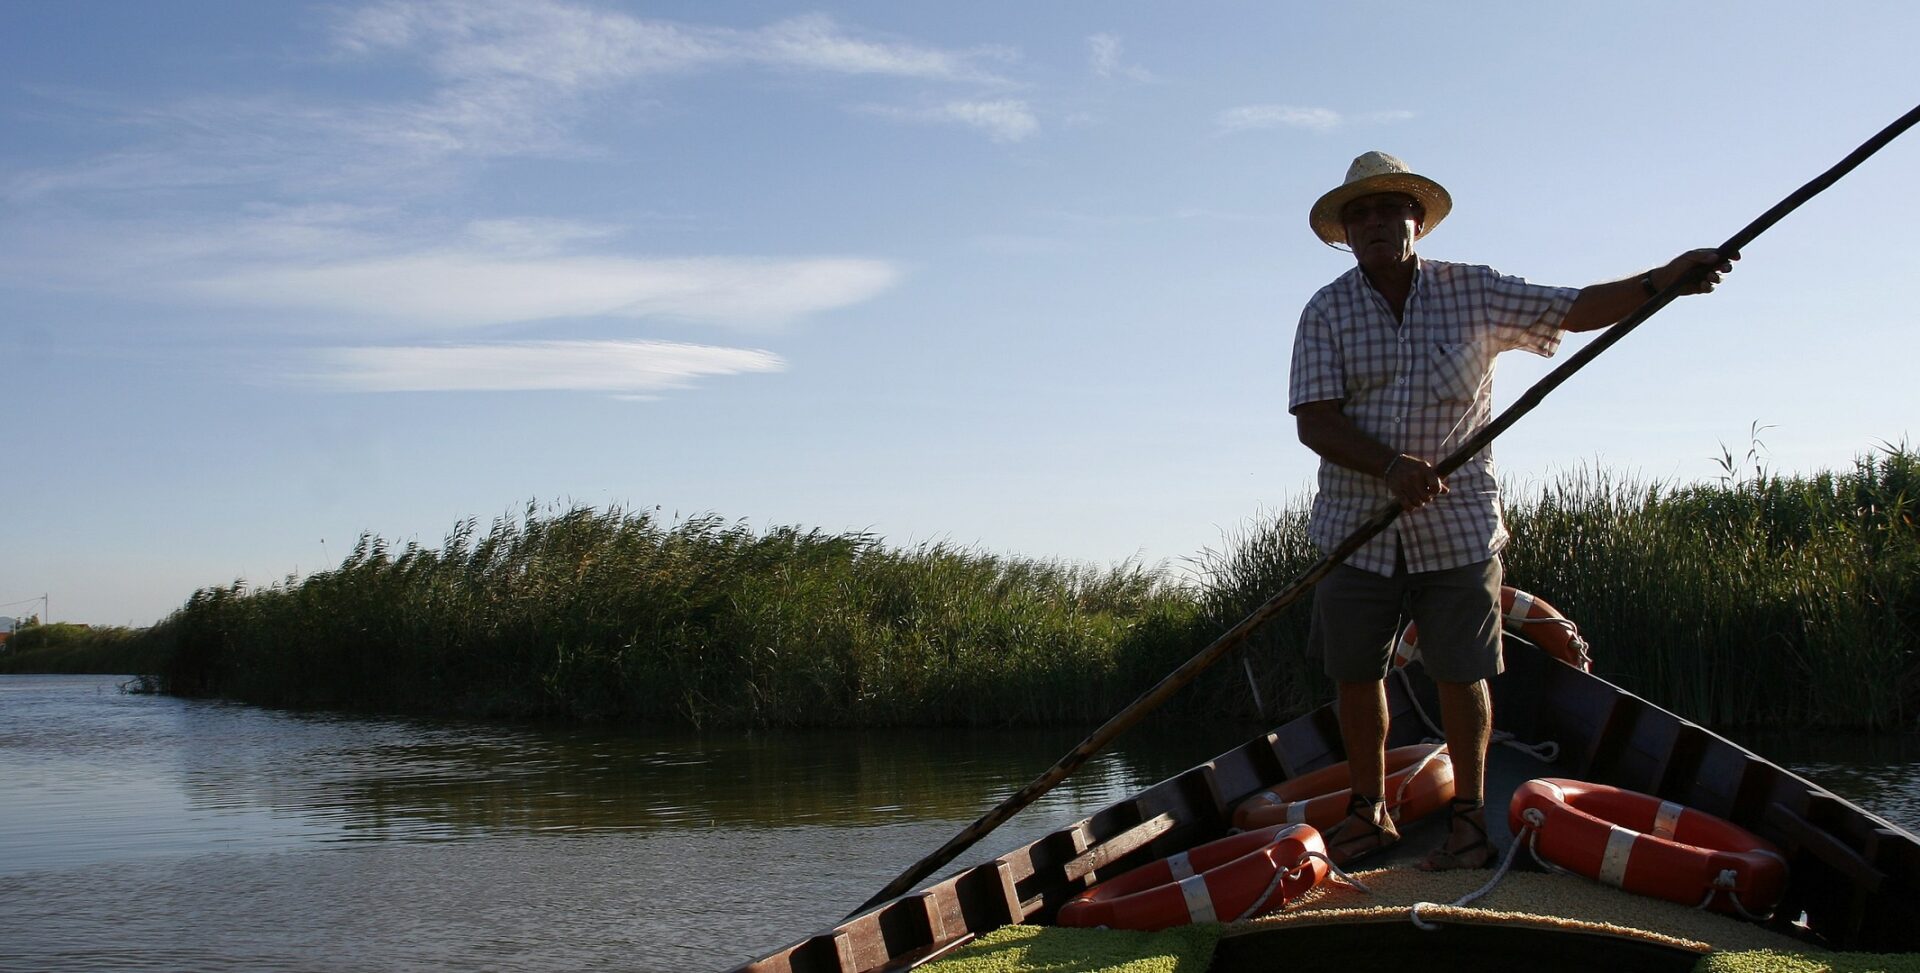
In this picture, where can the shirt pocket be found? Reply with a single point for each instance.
(1454, 371)
(1373, 364)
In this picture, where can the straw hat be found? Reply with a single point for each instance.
(1377, 172)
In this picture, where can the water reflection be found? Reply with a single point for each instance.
(241, 774)
(372, 779)
(153, 833)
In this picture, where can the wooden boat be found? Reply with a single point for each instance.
(1854, 877)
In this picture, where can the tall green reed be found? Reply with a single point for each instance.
(1767, 601)
(1255, 561)
(613, 614)
(1764, 601)
(66, 647)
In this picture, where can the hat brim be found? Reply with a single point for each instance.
(1325, 215)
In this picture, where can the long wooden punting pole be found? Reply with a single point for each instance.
(1227, 642)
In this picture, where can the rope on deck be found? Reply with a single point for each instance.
(1468, 899)
(1260, 904)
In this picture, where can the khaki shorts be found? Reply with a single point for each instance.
(1357, 616)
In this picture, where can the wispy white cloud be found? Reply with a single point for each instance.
(496, 79)
(1003, 120)
(131, 170)
(1252, 117)
(464, 289)
(629, 369)
(513, 73)
(341, 267)
(535, 236)
(1104, 56)
(1274, 116)
(818, 42)
(145, 258)
(1386, 117)
(558, 45)
(573, 46)
(267, 146)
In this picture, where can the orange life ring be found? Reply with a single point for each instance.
(1419, 782)
(1531, 616)
(1221, 881)
(1648, 846)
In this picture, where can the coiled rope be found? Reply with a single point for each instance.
(1724, 882)
(1506, 864)
(1260, 904)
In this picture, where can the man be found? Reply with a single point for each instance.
(1392, 370)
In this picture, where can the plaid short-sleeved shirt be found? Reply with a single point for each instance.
(1421, 386)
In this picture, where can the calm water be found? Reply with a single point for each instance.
(145, 833)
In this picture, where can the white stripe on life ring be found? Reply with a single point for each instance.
(1181, 866)
(1297, 812)
(1667, 820)
(1199, 901)
(1613, 862)
(1522, 607)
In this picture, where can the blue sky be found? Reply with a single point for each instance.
(1017, 277)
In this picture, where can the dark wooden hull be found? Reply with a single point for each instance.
(1855, 877)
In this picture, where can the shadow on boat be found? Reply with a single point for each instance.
(1854, 877)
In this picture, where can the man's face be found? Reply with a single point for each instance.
(1381, 227)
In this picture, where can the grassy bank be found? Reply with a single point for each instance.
(1777, 601)
(63, 647)
(616, 615)
(1769, 601)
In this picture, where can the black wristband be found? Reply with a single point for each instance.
(1646, 284)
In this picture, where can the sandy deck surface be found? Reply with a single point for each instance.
(1525, 898)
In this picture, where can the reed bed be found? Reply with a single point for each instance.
(1777, 601)
(1768, 601)
(1765, 601)
(615, 615)
(65, 647)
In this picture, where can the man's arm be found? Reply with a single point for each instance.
(1600, 305)
(1326, 430)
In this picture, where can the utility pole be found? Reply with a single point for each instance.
(45, 606)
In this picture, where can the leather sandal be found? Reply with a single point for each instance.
(1476, 853)
(1366, 829)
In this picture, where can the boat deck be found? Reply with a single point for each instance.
(1528, 904)
(1855, 877)
(1521, 900)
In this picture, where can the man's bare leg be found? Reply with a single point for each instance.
(1363, 730)
(1466, 712)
